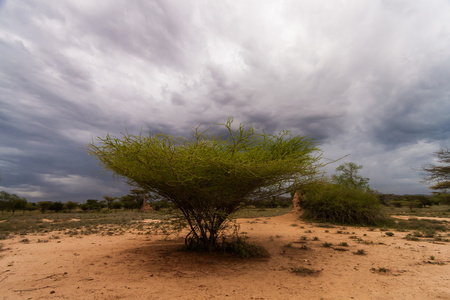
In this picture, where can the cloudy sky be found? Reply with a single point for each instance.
(366, 78)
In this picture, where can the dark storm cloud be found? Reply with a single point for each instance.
(419, 112)
(369, 79)
(155, 31)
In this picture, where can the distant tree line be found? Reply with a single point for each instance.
(414, 201)
(133, 201)
(12, 202)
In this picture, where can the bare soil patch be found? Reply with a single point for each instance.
(138, 266)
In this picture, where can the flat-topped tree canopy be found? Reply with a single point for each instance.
(209, 176)
(439, 174)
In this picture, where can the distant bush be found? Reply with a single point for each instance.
(44, 205)
(56, 206)
(234, 246)
(162, 204)
(411, 201)
(70, 205)
(441, 198)
(92, 205)
(334, 203)
(116, 205)
(271, 203)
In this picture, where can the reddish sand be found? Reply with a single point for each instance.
(136, 266)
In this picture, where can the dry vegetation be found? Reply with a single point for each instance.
(130, 255)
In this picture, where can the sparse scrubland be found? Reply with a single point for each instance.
(130, 254)
(220, 226)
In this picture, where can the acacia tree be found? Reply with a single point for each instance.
(439, 174)
(208, 176)
(44, 205)
(16, 203)
(109, 200)
(4, 198)
(348, 175)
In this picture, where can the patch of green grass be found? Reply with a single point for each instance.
(327, 245)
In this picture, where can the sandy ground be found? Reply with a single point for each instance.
(133, 266)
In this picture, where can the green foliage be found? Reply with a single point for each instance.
(335, 203)
(12, 202)
(92, 205)
(208, 177)
(4, 197)
(271, 203)
(116, 205)
(441, 198)
(56, 206)
(348, 176)
(161, 204)
(31, 206)
(411, 201)
(438, 174)
(44, 205)
(109, 200)
(131, 201)
(235, 245)
(70, 205)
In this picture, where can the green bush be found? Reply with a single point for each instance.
(441, 198)
(271, 203)
(334, 203)
(235, 246)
